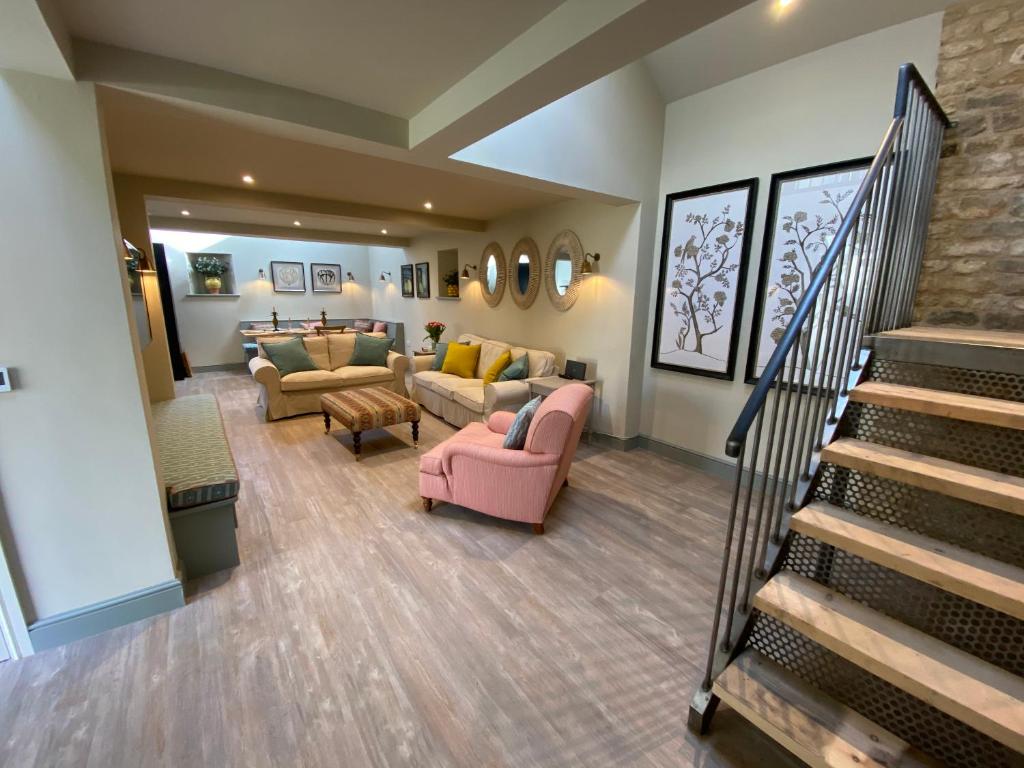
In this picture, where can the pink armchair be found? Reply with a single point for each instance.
(473, 470)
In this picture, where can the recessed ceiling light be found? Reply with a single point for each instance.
(428, 205)
(186, 213)
(297, 223)
(383, 231)
(784, 3)
(248, 179)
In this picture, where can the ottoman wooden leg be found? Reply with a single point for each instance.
(416, 434)
(357, 444)
(327, 422)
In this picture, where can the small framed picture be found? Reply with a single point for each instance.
(326, 277)
(288, 276)
(423, 280)
(407, 281)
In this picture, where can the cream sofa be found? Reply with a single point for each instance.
(461, 401)
(296, 393)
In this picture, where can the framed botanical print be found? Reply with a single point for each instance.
(288, 276)
(805, 209)
(423, 280)
(326, 278)
(705, 247)
(407, 281)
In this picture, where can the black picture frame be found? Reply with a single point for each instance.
(408, 282)
(274, 268)
(318, 277)
(750, 186)
(423, 280)
(768, 239)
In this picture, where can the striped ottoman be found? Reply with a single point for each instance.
(369, 408)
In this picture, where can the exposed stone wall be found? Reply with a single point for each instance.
(974, 261)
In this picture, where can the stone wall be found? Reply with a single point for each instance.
(973, 272)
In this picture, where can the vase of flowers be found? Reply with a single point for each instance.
(211, 268)
(434, 330)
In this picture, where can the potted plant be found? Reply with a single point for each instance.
(434, 330)
(451, 279)
(211, 268)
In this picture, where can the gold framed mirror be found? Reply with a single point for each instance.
(492, 274)
(524, 270)
(563, 269)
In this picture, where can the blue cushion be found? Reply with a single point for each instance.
(439, 352)
(370, 350)
(516, 370)
(515, 438)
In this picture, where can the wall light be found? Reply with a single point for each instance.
(428, 205)
(248, 179)
(589, 263)
(351, 277)
(262, 274)
(465, 271)
(385, 279)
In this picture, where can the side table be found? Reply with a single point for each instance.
(549, 384)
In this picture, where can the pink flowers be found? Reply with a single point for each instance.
(434, 330)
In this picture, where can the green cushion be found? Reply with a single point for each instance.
(290, 356)
(370, 350)
(516, 370)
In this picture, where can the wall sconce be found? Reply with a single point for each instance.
(351, 277)
(589, 263)
(465, 271)
(262, 274)
(385, 279)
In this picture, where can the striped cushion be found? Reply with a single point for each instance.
(194, 454)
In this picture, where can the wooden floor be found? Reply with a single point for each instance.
(360, 631)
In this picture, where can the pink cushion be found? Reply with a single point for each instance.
(379, 327)
(500, 421)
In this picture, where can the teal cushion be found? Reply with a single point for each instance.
(370, 350)
(439, 352)
(517, 370)
(515, 438)
(289, 356)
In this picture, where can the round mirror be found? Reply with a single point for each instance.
(524, 272)
(492, 274)
(562, 269)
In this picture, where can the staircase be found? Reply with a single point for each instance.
(871, 604)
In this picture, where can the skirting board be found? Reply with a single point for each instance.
(709, 464)
(220, 367)
(99, 617)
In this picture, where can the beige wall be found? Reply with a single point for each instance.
(81, 500)
(597, 329)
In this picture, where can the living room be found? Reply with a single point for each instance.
(405, 425)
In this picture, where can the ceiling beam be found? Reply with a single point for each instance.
(576, 44)
(258, 199)
(33, 38)
(179, 80)
(276, 232)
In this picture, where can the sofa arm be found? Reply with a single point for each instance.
(422, 362)
(505, 396)
(399, 364)
(494, 457)
(500, 421)
(265, 373)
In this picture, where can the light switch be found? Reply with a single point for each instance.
(5, 379)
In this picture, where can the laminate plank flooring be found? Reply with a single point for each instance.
(361, 631)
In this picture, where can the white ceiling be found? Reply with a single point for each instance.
(395, 56)
(764, 33)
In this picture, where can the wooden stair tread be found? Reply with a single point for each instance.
(980, 694)
(981, 486)
(968, 574)
(1006, 339)
(951, 405)
(813, 726)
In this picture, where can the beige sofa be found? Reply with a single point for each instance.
(296, 393)
(461, 401)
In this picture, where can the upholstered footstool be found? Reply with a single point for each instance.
(369, 408)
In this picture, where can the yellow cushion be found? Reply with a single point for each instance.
(461, 360)
(497, 367)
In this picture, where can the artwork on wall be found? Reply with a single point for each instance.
(705, 248)
(407, 281)
(805, 209)
(423, 280)
(288, 276)
(326, 278)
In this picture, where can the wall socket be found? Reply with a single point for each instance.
(5, 379)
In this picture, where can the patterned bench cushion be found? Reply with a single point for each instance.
(369, 408)
(194, 453)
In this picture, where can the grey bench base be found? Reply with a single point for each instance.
(204, 537)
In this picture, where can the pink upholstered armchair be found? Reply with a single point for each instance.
(473, 470)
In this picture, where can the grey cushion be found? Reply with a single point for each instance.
(515, 438)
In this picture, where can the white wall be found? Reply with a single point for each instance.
(208, 327)
(80, 502)
(596, 329)
(830, 105)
